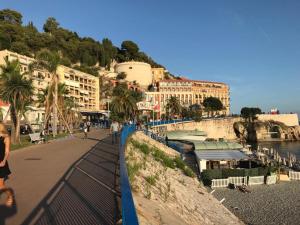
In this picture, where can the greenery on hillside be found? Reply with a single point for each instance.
(85, 52)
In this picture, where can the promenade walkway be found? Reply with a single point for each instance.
(71, 181)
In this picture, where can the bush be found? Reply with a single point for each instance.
(151, 180)
(133, 170)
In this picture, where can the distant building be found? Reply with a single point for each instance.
(139, 72)
(84, 88)
(158, 74)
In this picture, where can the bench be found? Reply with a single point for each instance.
(36, 138)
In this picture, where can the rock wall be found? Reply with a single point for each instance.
(287, 119)
(214, 128)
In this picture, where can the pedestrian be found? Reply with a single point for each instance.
(114, 129)
(4, 168)
(85, 130)
(88, 125)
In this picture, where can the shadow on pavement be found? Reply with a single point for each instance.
(5, 211)
(87, 194)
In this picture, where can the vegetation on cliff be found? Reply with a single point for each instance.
(165, 190)
(85, 52)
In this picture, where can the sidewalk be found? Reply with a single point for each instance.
(51, 189)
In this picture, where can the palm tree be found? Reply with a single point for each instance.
(50, 61)
(17, 90)
(173, 106)
(123, 102)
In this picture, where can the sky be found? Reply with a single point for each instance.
(252, 45)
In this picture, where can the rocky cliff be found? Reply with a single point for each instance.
(164, 194)
(265, 130)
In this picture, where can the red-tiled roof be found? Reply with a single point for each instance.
(188, 80)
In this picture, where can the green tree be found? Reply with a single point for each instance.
(123, 104)
(130, 50)
(50, 25)
(17, 90)
(11, 16)
(249, 113)
(212, 104)
(173, 106)
(121, 76)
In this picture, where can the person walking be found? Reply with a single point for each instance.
(4, 168)
(114, 129)
(88, 123)
(85, 130)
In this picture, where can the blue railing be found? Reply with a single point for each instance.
(129, 216)
(164, 122)
(163, 141)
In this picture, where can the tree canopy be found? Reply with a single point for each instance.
(84, 52)
(212, 104)
(249, 113)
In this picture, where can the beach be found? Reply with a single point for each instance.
(273, 204)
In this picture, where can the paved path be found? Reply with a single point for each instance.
(71, 181)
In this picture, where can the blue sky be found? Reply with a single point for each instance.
(253, 45)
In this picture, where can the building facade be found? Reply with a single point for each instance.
(83, 88)
(158, 74)
(189, 92)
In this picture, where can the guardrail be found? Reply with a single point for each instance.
(165, 122)
(129, 216)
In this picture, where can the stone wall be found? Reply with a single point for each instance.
(287, 119)
(215, 128)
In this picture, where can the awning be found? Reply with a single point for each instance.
(221, 155)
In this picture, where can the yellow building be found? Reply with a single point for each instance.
(189, 92)
(84, 88)
(158, 74)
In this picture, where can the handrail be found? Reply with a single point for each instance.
(165, 122)
(129, 216)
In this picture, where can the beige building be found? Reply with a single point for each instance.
(189, 92)
(83, 87)
(158, 74)
(139, 72)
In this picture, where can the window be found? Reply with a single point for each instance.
(130, 67)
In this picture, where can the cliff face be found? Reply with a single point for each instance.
(165, 195)
(266, 131)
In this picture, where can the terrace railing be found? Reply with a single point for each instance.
(129, 216)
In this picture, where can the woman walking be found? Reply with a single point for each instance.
(4, 169)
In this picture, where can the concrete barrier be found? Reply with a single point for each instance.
(256, 180)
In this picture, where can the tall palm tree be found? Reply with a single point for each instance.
(17, 90)
(49, 60)
(173, 106)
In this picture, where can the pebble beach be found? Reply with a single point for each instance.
(274, 204)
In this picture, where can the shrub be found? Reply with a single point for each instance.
(151, 180)
(188, 172)
(133, 170)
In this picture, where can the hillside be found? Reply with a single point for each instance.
(83, 53)
(166, 194)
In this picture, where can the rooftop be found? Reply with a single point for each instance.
(221, 155)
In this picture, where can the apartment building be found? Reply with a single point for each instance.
(84, 88)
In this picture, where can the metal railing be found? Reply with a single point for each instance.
(129, 216)
(165, 122)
